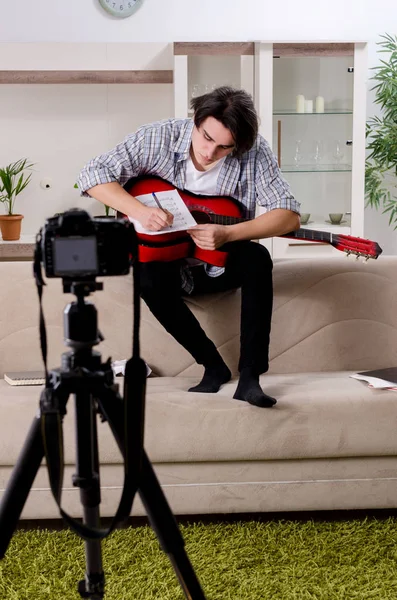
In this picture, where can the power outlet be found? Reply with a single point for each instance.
(46, 183)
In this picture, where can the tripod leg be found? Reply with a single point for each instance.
(160, 515)
(18, 488)
(87, 479)
(165, 526)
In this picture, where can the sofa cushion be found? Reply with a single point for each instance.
(318, 415)
(329, 314)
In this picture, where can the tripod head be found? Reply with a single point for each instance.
(80, 317)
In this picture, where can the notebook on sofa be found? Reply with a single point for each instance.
(25, 378)
(379, 378)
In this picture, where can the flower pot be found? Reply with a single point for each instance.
(10, 226)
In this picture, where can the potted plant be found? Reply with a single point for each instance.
(381, 163)
(13, 181)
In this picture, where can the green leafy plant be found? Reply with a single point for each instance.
(381, 135)
(13, 180)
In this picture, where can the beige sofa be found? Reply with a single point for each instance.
(329, 443)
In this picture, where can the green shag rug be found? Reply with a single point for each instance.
(252, 560)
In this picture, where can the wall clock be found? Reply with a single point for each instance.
(120, 8)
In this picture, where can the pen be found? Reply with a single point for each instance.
(158, 202)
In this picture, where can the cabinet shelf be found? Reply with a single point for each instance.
(214, 48)
(22, 249)
(328, 111)
(248, 49)
(293, 50)
(108, 77)
(342, 168)
(343, 227)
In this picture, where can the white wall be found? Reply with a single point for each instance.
(61, 150)
(61, 127)
(183, 20)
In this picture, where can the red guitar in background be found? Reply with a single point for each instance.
(221, 210)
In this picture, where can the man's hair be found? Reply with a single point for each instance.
(234, 109)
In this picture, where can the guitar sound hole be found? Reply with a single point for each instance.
(201, 217)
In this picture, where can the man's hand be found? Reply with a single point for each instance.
(209, 236)
(154, 219)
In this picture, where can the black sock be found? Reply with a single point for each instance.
(213, 378)
(248, 389)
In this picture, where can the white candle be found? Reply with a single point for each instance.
(319, 104)
(309, 106)
(300, 104)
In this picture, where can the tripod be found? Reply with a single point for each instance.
(91, 381)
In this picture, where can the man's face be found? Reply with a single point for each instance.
(210, 142)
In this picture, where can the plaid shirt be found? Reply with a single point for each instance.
(162, 149)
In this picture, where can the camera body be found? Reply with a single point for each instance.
(77, 247)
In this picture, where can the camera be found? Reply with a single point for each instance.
(73, 245)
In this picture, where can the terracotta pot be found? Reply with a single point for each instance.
(10, 226)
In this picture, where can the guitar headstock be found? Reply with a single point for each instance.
(356, 245)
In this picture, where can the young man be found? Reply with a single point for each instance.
(218, 152)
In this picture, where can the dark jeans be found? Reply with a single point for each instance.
(249, 266)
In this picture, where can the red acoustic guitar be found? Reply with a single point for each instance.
(224, 211)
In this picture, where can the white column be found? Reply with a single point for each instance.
(358, 148)
(263, 97)
(263, 88)
(247, 74)
(180, 86)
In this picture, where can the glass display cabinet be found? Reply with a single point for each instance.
(314, 119)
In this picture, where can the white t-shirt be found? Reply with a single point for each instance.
(202, 182)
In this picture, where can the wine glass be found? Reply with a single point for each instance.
(338, 152)
(298, 153)
(195, 90)
(318, 152)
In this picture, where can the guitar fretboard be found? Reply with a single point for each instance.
(310, 234)
(223, 220)
(302, 234)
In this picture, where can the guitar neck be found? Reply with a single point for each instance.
(223, 220)
(301, 234)
(311, 235)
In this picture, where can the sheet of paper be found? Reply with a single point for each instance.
(118, 367)
(374, 382)
(169, 200)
